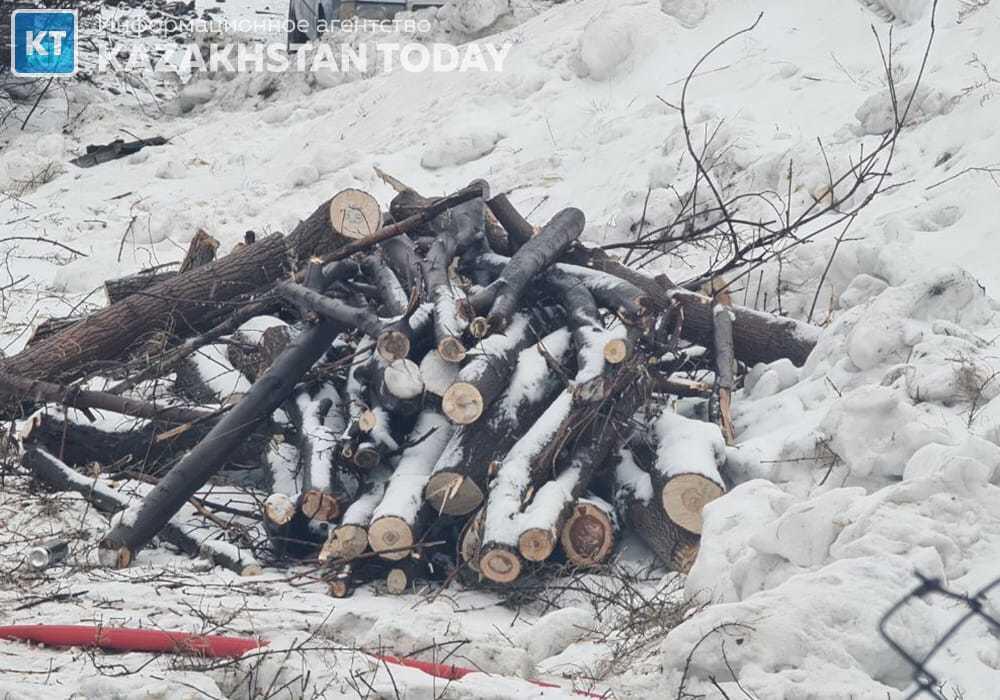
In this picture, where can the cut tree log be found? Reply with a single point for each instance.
(533, 257)
(674, 547)
(406, 573)
(484, 378)
(518, 230)
(103, 153)
(437, 373)
(458, 484)
(725, 367)
(596, 437)
(143, 521)
(462, 225)
(400, 387)
(470, 539)
(349, 539)
(396, 522)
(393, 299)
(321, 419)
(35, 391)
(686, 475)
(201, 251)
(60, 477)
(399, 256)
(588, 536)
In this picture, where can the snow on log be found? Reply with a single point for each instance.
(459, 482)
(393, 300)
(438, 374)
(396, 521)
(321, 421)
(533, 257)
(59, 476)
(460, 226)
(144, 520)
(349, 539)
(686, 472)
(400, 387)
(675, 547)
(485, 377)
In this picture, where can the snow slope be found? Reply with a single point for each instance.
(877, 458)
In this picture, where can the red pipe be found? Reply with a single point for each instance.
(123, 639)
(159, 641)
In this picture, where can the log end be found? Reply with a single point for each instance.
(588, 537)
(390, 537)
(114, 557)
(452, 494)
(479, 327)
(317, 505)
(451, 349)
(345, 542)
(366, 456)
(279, 509)
(340, 588)
(252, 570)
(462, 403)
(367, 421)
(536, 544)
(617, 350)
(684, 496)
(392, 346)
(354, 214)
(500, 565)
(397, 581)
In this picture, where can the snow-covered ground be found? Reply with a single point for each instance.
(880, 457)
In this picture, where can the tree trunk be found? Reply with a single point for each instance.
(588, 536)
(396, 522)
(61, 477)
(349, 539)
(533, 257)
(686, 475)
(484, 378)
(458, 483)
(725, 368)
(145, 519)
(518, 230)
(675, 547)
(117, 289)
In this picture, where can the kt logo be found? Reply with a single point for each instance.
(43, 42)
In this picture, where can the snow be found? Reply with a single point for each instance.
(528, 383)
(211, 362)
(877, 458)
(323, 431)
(438, 374)
(631, 478)
(687, 446)
(361, 509)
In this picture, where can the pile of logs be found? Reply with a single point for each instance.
(440, 388)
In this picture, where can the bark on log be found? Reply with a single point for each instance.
(143, 522)
(518, 230)
(458, 484)
(183, 302)
(675, 547)
(349, 539)
(61, 477)
(396, 521)
(533, 257)
(757, 336)
(34, 391)
(470, 539)
(393, 299)
(321, 420)
(543, 519)
(686, 475)
(484, 378)
(201, 251)
(400, 257)
(461, 226)
(117, 289)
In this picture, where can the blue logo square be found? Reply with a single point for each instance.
(43, 42)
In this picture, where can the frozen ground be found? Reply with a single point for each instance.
(878, 458)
